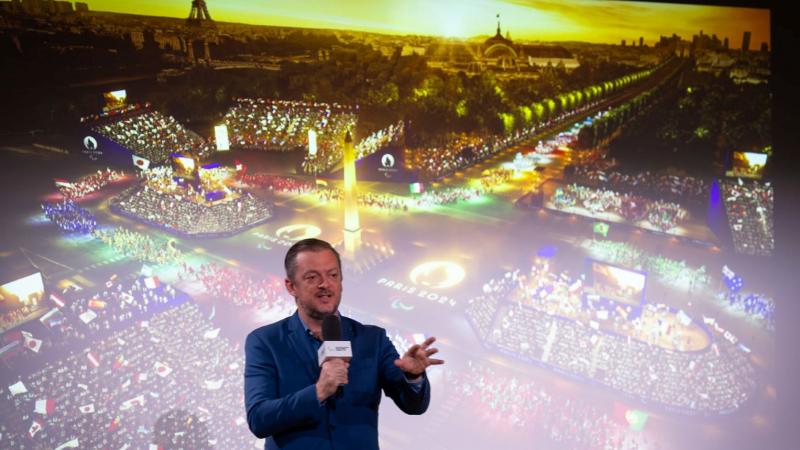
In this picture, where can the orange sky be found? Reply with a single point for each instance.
(546, 20)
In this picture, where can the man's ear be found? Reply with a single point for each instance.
(289, 286)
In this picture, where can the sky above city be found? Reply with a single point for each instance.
(545, 20)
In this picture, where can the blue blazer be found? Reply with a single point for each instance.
(280, 395)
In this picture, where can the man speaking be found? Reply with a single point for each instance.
(301, 393)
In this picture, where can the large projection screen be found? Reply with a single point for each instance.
(468, 158)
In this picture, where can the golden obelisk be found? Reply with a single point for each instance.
(352, 227)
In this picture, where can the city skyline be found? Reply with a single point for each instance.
(597, 22)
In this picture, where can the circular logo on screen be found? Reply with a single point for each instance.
(297, 232)
(387, 161)
(437, 274)
(90, 143)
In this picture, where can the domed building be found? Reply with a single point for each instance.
(498, 51)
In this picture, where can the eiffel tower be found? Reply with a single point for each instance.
(199, 16)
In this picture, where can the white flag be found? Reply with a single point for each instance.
(69, 444)
(135, 401)
(17, 388)
(213, 385)
(88, 316)
(211, 334)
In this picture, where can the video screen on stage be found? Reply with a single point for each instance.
(617, 284)
(748, 165)
(20, 299)
(544, 187)
(115, 100)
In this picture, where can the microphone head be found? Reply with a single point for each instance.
(331, 328)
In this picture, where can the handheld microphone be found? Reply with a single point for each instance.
(333, 346)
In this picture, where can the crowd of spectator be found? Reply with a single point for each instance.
(88, 184)
(660, 215)
(138, 246)
(563, 421)
(236, 286)
(283, 125)
(136, 388)
(685, 190)
(187, 211)
(541, 317)
(150, 134)
(757, 306)
(69, 216)
(671, 272)
(393, 134)
(749, 207)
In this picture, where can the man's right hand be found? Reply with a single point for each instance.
(333, 375)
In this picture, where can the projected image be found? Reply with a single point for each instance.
(748, 164)
(618, 284)
(115, 100)
(539, 185)
(20, 300)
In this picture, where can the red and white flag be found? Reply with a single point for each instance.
(35, 427)
(140, 162)
(93, 359)
(135, 401)
(162, 369)
(32, 343)
(151, 282)
(114, 425)
(57, 300)
(87, 409)
(45, 406)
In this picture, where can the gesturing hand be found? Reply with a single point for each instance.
(332, 375)
(417, 358)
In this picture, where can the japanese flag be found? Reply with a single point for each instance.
(162, 369)
(32, 343)
(140, 162)
(87, 409)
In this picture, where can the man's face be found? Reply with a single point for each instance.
(317, 284)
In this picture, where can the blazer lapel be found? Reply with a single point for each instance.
(298, 341)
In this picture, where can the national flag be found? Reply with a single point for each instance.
(119, 362)
(601, 228)
(10, 349)
(45, 406)
(114, 425)
(144, 324)
(17, 388)
(87, 409)
(88, 316)
(319, 182)
(162, 369)
(152, 282)
(52, 318)
(126, 384)
(155, 447)
(127, 298)
(69, 444)
(135, 401)
(35, 427)
(32, 343)
(93, 359)
(211, 334)
(213, 385)
(96, 303)
(60, 182)
(57, 300)
(140, 162)
(416, 188)
(240, 421)
(239, 166)
(637, 419)
(233, 366)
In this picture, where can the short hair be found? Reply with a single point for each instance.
(306, 245)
